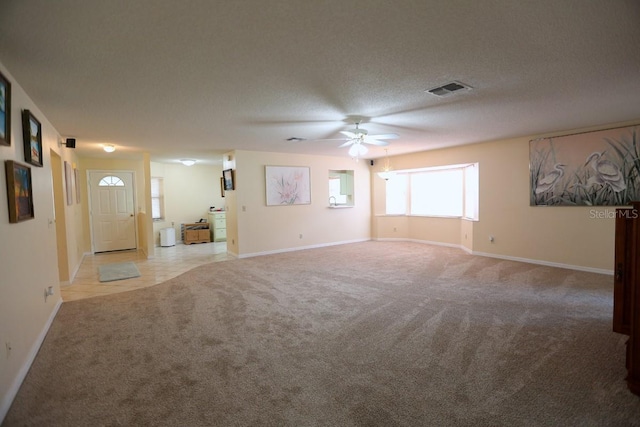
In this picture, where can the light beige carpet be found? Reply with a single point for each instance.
(367, 334)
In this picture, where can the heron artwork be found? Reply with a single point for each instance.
(549, 180)
(606, 173)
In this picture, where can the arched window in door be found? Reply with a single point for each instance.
(111, 181)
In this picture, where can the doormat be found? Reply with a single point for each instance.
(118, 271)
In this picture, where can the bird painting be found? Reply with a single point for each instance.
(607, 173)
(549, 180)
(600, 168)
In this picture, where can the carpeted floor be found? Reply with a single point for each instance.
(366, 334)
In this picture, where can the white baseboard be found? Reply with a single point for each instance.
(507, 257)
(7, 399)
(426, 242)
(547, 263)
(300, 248)
(75, 270)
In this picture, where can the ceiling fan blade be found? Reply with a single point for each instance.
(346, 144)
(348, 134)
(375, 142)
(384, 136)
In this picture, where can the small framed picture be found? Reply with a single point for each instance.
(5, 111)
(68, 182)
(32, 136)
(229, 183)
(19, 191)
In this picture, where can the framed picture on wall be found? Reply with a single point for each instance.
(32, 136)
(5, 111)
(19, 191)
(68, 182)
(598, 168)
(287, 185)
(229, 183)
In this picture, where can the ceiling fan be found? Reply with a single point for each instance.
(356, 138)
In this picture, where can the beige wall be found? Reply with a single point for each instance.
(264, 229)
(189, 193)
(568, 236)
(28, 261)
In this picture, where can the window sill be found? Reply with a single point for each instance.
(340, 206)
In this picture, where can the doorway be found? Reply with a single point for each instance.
(112, 212)
(60, 221)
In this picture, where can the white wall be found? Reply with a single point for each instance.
(28, 261)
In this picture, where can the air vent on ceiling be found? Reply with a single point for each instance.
(448, 89)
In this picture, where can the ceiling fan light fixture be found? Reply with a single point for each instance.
(188, 162)
(358, 150)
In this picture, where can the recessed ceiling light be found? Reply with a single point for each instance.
(188, 162)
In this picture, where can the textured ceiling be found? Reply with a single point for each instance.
(196, 78)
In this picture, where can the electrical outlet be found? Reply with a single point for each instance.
(491, 239)
(395, 228)
(301, 235)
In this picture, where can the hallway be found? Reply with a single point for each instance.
(168, 263)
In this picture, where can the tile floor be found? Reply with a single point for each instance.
(168, 262)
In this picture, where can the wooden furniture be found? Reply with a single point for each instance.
(626, 288)
(218, 220)
(197, 232)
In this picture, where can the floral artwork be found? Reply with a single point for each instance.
(599, 168)
(287, 185)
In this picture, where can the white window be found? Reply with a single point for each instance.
(437, 193)
(450, 191)
(471, 191)
(157, 199)
(397, 199)
(111, 181)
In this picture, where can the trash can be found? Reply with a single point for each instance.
(167, 237)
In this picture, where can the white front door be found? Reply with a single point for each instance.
(112, 210)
